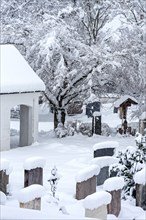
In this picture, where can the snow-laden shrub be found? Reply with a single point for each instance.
(86, 129)
(105, 129)
(131, 160)
(62, 131)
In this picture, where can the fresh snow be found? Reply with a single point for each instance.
(140, 176)
(34, 162)
(104, 161)
(3, 198)
(30, 193)
(87, 173)
(106, 144)
(113, 183)
(5, 165)
(143, 116)
(16, 74)
(97, 199)
(69, 155)
(123, 99)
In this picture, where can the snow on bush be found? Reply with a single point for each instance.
(96, 200)
(34, 162)
(113, 183)
(3, 198)
(105, 129)
(140, 176)
(131, 160)
(106, 144)
(87, 173)
(104, 161)
(30, 193)
(86, 128)
(5, 165)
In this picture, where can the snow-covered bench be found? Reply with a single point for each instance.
(33, 171)
(86, 181)
(30, 197)
(96, 205)
(114, 186)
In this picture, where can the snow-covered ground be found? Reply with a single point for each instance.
(69, 155)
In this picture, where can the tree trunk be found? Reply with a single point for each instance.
(59, 117)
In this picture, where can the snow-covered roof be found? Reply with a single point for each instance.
(143, 116)
(124, 99)
(16, 76)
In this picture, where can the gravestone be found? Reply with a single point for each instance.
(33, 176)
(104, 152)
(141, 196)
(103, 175)
(4, 181)
(92, 107)
(114, 186)
(85, 188)
(86, 181)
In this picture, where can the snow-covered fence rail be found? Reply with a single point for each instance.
(30, 197)
(114, 186)
(5, 170)
(140, 180)
(96, 205)
(103, 163)
(86, 181)
(106, 148)
(33, 171)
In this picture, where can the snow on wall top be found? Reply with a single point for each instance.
(97, 199)
(143, 116)
(104, 161)
(113, 183)
(140, 177)
(87, 173)
(106, 144)
(124, 99)
(5, 165)
(34, 162)
(30, 193)
(15, 73)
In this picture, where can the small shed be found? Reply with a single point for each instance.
(19, 85)
(122, 105)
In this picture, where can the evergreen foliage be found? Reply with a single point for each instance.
(131, 160)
